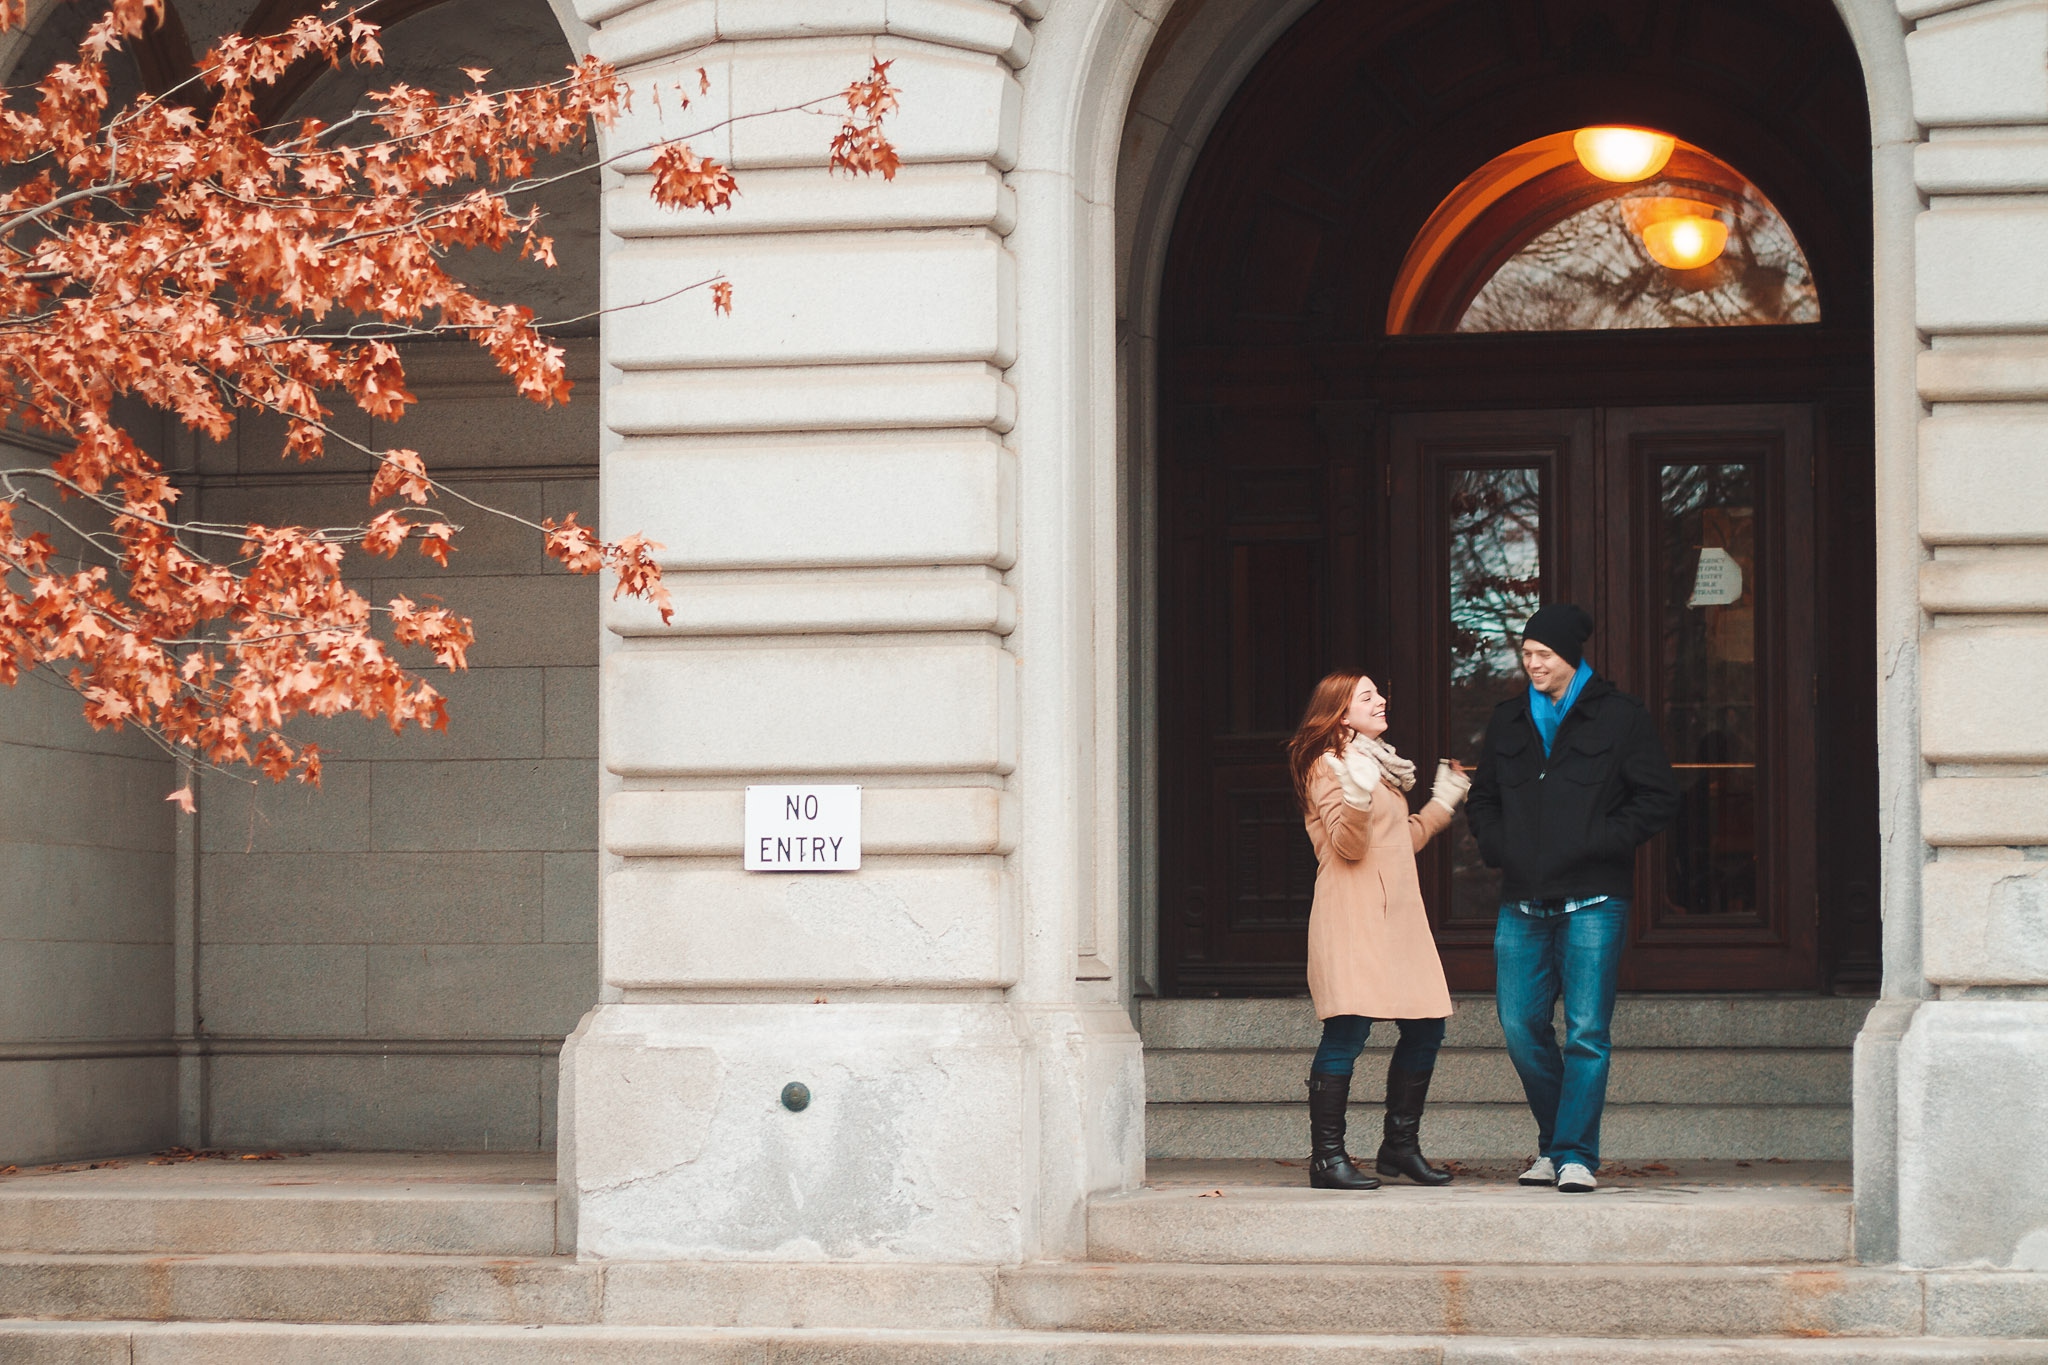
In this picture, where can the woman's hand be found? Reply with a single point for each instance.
(1451, 784)
(1358, 773)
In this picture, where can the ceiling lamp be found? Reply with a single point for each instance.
(1686, 242)
(1623, 154)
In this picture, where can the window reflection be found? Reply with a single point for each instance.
(1493, 531)
(1593, 272)
(1707, 577)
(1535, 241)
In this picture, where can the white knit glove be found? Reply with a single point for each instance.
(1358, 773)
(1450, 786)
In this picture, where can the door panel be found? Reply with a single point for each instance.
(1245, 635)
(1712, 586)
(1478, 533)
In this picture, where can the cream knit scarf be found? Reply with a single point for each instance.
(1365, 762)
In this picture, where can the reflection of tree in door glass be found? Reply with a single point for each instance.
(1708, 677)
(1493, 534)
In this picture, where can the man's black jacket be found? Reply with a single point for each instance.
(1567, 826)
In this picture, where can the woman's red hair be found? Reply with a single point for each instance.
(1322, 729)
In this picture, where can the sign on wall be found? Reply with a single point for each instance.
(803, 829)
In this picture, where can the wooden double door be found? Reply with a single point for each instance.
(1415, 547)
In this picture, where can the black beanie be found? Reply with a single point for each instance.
(1564, 627)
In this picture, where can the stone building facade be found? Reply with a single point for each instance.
(910, 500)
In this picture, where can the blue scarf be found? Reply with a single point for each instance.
(1549, 714)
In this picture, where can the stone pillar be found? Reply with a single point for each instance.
(1972, 1094)
(881, 576)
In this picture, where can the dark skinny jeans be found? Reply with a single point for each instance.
(1344, 1038)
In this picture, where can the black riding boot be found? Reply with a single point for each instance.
(1401, 1150)
(1329, 1168)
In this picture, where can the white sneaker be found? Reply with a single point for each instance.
(1542, 1173)
(1576, 1179)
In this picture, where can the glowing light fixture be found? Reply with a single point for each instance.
(1686, 242)
(1622, 154)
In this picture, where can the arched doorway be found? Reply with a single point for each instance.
(1336, 447)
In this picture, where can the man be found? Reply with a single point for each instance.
(1572, 780)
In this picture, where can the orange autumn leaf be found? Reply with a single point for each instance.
(684, 180)
(181, 255)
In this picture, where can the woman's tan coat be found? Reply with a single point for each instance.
(1370, 951)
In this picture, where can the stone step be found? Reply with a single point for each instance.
(267, 1344)
(1526, 1300)
(1640, 1021)
(1475, 1224)
(1643, 1076)
(328, 1204)
(1502, 1132)
(1496, 1300)
(312, 1288)
(301, 1287)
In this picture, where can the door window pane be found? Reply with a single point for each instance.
(1493, 528)
(1708, 579)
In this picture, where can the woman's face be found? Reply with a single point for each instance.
(1368, 712)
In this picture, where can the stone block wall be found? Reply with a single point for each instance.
(87, 943)
(393, 960)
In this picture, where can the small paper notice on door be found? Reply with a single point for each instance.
(1718, 580)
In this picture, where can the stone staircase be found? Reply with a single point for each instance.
(1695, 1077)
(453, 1261)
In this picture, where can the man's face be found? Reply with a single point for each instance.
(1548, 673)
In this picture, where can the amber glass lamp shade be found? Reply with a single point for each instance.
(1685, 243)
(1623, 155)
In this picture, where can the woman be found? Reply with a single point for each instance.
(1370, 953)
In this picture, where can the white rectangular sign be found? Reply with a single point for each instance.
(803, 829)
(1718, 580)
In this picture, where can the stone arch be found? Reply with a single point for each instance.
(1171, 76)
(1117, 102)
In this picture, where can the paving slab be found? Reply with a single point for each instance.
(160, 1172)
(1748, 1020)
(65, 1343)
(1832, 1177)
(1473, 1131)
(1987, 1302)
(800, 1294)
(301, 1287)
(240, 1344)
(1723, 1076)
(1539, 1300)
(1472, 1223)
(1489, 1300)
(327, 1202)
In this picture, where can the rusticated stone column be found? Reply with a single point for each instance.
(1973, 1060)
(866, 592)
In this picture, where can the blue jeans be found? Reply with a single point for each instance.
(1537, 958)
(1344, 1038)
